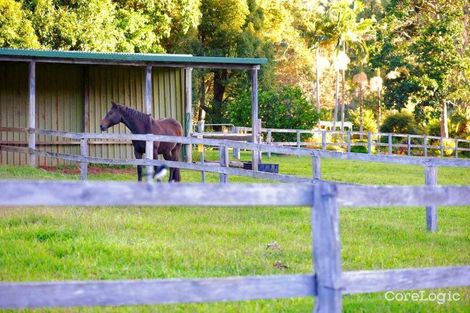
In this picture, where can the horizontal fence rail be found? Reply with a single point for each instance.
(57, 193)
(328, 284)
(260, 147)
(172, 291)
(450, 147)
(161, 291)
(223, 167)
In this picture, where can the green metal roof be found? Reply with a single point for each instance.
(98, 57)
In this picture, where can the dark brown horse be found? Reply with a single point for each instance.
(141, 123)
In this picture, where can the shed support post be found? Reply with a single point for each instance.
(326, 249)
(148, 110)
(431, 211)
(84, 164)
(148, 90)
(254, 115)
(188, 126)
(32, 112)
(86, 99)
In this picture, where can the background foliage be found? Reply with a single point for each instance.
(420, 47)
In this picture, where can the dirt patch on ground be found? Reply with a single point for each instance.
(93, 170)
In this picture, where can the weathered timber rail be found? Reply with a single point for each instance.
(328, 283)
(222, 168)
(347, 140)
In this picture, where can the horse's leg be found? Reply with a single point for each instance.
(167, 156)
(138, 155)
(175, 156)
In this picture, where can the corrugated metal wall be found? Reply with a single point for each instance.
(60, 103)
(125, 85)
(13, 107)
(59, 106)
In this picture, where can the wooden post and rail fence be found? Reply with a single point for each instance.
(402, 144)
(222, 168)
(328, 283)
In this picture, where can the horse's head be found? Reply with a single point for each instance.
(111, 118)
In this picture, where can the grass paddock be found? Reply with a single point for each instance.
(38, 244)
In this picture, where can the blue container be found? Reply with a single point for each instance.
(264, 167)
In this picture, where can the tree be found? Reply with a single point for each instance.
(286, 107)
(422, 41)
(16, 30)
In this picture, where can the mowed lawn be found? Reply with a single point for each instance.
(38, 244)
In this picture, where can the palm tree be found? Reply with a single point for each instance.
(344, 28)
(361, 80)
(376, 83)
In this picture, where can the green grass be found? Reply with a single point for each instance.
(131, 243)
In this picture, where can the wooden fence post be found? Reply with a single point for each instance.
(316, 167)
(269, 139)
(442, 147)
(349, 140)
(260, 153)
(323, 140)
(425, 145)
(431, 211)
(149, 156)
(369, 143)
(326, 249)
(236, 151)
(298, 138)
(409, 145)
(84, 164)
(456, 148)
(224, 161)
(390, 144)
(203, 155)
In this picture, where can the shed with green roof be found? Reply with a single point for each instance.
(71, 91)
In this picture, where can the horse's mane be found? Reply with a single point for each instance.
(134, 114)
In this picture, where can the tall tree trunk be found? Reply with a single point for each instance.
(317, 85)
(342, 99)
(335, 115)
(220, 81)
(202, 104)
(361, 120)
(444, 128)
(379, 112)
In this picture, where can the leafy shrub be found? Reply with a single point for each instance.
(449, 147)
(400, 123)
(368, 120)
(460, 122)
(434, 127)
(362, 148)
(284, 108)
